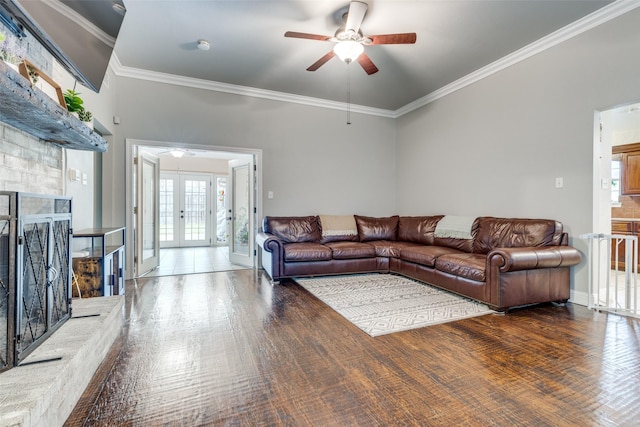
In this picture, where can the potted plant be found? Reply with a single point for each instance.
(75, 105)
(11, 52)
(87, 117)
(73, 101)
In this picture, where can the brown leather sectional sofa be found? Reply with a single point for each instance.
(505, 262)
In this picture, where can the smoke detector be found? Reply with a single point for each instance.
(203, 45)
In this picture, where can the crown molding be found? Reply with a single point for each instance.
(601, 16)
(137, 73)
(605, 14)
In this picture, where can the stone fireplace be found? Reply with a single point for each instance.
(42, 389)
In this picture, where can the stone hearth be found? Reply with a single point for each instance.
(45, 387)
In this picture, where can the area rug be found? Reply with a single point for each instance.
(380, 304)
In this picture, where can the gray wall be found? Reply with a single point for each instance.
(84, 197)
(312, 160)
(496, 147)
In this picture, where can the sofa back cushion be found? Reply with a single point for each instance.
(370, 228)
(515, 232)
(417, 229)
(293, 229)
(338, 228)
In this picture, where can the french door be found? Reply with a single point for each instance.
(241, 210)
(147, 219)
(185, 209)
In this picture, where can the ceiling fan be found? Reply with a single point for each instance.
(350, 41)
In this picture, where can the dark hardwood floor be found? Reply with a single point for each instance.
(231, 349)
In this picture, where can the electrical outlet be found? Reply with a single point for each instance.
(559, 182)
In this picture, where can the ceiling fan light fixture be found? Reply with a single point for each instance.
(348, 50)
(177, 153)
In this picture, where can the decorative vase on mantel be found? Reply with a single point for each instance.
(86, 117)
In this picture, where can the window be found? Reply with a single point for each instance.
(615, 181)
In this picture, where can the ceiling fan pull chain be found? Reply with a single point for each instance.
(348, 95)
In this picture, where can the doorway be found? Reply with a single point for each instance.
(611, 287)
(613, 127)
(201, 190)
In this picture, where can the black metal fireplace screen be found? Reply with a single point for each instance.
(35, 254)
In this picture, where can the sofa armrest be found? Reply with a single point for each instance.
(272, 254)
(515, 259)
(268, 242)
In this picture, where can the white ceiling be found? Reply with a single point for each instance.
(249, 50)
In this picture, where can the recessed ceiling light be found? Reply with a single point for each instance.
(203, 45)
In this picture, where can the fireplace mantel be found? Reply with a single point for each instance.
(32, 111)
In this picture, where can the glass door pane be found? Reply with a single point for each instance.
(148, 217)
(240, 222)
(148, 211)
(169, 207)
(241, 212)
(221, 211)
(195, 210)
(166, 210)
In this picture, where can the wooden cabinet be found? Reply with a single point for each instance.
(630, 172)
(100, 269)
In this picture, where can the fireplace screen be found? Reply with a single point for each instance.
(5, 281)
(35, 272)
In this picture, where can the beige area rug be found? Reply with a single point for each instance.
(380, 304)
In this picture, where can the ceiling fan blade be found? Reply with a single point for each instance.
(320, 62)
(357, 9)
(400, 38)
(367, 64)
(297, 35)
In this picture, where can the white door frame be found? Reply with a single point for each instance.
(129, 193)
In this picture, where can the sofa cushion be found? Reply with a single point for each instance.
(387, 248)
(293, 229)
(514, 232)
(470, 266)
(417, 229)
(306, 251)
(349, 250)
(426, 255)
(370, 228)
(336, 228)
